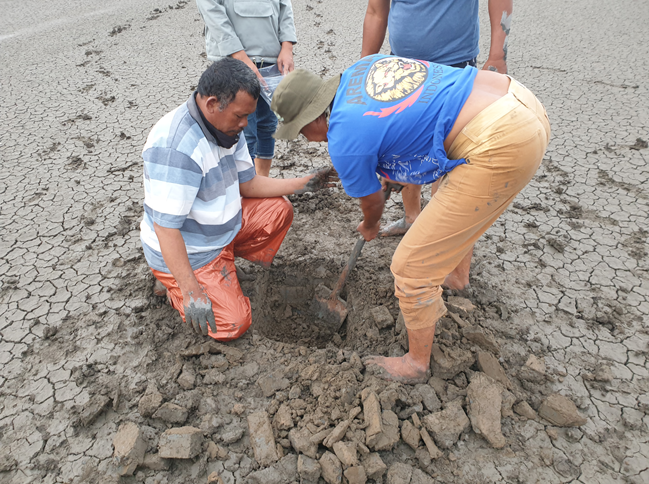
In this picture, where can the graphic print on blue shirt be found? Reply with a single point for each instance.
(390, 117)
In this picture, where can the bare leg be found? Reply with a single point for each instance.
(262, 166)
(159, 288)
(411, 196)
(459, 278)
(413, 366)
(433, 188)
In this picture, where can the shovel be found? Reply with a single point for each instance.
(327, 304)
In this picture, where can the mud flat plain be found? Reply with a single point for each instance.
(541, 372)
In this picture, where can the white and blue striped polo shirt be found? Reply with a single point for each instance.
(192, 184)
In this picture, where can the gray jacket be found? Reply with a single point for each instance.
(257, 26)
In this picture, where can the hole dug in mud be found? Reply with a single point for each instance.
(283, 303)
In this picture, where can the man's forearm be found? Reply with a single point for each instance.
(375, 26)
(372, 207)
(243, 57)
(174, 253)
(265, 187)
(500, 16)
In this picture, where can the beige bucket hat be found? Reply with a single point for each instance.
(299, 99)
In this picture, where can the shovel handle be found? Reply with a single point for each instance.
(356, 252)
(392, 187)
(353, 257)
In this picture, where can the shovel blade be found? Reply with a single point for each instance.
(331, 312)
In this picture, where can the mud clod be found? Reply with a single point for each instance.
(356, 475)
(460, 305)
(485, 401)
(171, 413)
(346, 453)
(382, 317)
(410, 435)
(524, 410)
(561, 411)
(93, 409)
(447, 425)
(262, 439)
(308, 469)
(533, 370)
(301, 441)
(130, 448)
(447, 362)
(399, 473)
(332, 470)
(180, 443)
(489, 365)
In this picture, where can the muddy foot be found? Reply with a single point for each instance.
(454, 282)
(159, 289)
(242, 276)
(402, 369)
(399, 227)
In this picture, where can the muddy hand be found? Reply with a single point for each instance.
(318, 179)
(199, 313)
(390, 186)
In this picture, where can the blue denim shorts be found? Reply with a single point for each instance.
(261, 127)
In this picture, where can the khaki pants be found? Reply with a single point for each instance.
(504, 145)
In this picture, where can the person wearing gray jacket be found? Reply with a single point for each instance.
(260, 33)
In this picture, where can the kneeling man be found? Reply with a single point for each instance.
(196, 171)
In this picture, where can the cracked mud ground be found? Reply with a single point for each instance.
(559, 285)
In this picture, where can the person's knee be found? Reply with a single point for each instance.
(232, 322)
(398, 265)
(241, 323)
(285, 210)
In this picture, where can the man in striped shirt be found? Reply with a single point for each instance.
(196, 171)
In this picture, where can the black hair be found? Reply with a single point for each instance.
(225, 78)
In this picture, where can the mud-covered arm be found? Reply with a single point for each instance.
(374, 26)
(372, 207)
(265, 187)
(198, 307)
(174, 253)
(500, 18)
(217, 22)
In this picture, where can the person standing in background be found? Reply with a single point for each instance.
(259, 33)
(441, 31)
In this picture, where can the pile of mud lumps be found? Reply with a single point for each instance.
(263, 411)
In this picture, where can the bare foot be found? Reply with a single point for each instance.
(402, 369)
(242, 276)
(453, 281)
(159, 289)
(399, 227)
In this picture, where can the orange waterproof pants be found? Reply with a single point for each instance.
(264, 224)
(504, 145)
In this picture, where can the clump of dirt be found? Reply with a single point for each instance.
(639, 144)
(118, 29)
(313, 202)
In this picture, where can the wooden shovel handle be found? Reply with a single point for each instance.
(353, 257)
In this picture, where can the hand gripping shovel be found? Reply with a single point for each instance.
(327, 304)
